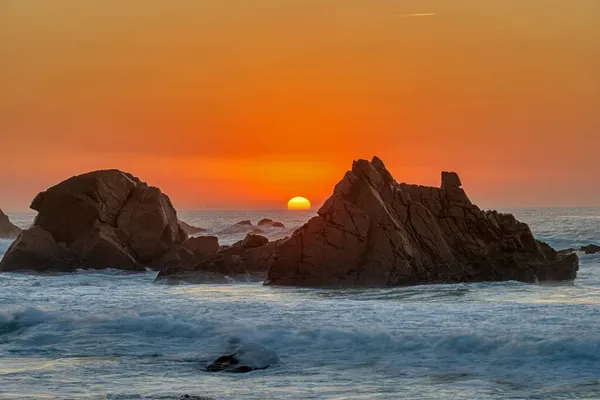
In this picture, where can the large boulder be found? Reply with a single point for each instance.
(7, 229)
(102, 219)
(375, 232)
(247, 260)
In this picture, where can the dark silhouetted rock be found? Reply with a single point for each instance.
(247, 260)
(102, 219)
(7, 229)
(252, 241)
(202, 246)
(590, 249)
(269, 223)
(565, 252)
(189, 229)
(239, 227)
(191, 252)
(375, 232)
(249, 357)
(450, 179)
(257, 231)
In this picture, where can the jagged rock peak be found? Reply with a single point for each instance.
(375, 232)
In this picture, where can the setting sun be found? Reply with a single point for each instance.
(298, 203)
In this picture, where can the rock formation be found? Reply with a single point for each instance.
(247, 260)
(249, 357)
(189, 229)
(269, 223)
(375, 232)
(244, 226)
(102, 219)
(590, 249)
(7, 229)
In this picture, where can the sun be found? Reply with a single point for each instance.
(299, 203)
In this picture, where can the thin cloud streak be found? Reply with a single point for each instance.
(416, 15)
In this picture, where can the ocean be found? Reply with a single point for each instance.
(112, 335)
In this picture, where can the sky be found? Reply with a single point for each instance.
(247, 103)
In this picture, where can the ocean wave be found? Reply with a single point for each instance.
(101, 335)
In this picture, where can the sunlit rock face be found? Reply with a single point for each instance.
(374, 232)
(102, 219)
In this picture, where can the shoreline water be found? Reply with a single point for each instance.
(109, 334)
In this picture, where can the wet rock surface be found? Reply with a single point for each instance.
(247, 260)
(247, 358)
(102, 219)
(590, 249)
(375, 232)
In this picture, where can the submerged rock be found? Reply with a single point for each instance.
(249, 357)
(7, 229)
(278, 225)
(375, 232)
(189, 229)
(102, 219)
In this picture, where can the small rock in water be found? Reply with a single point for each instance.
(249, 357)
(590, 249)
(265, 221)
(245, 222)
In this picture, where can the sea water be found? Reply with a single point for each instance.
(114, 335)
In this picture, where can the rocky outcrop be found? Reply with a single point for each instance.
(7, 229)
(102, 219)
(375, 232)
(244, 226)
(189, 229)
(249, 357)
(587, 249)
(269, 223)
(247, 260)
(590, 249)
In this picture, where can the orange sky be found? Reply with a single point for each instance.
(247, 103)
